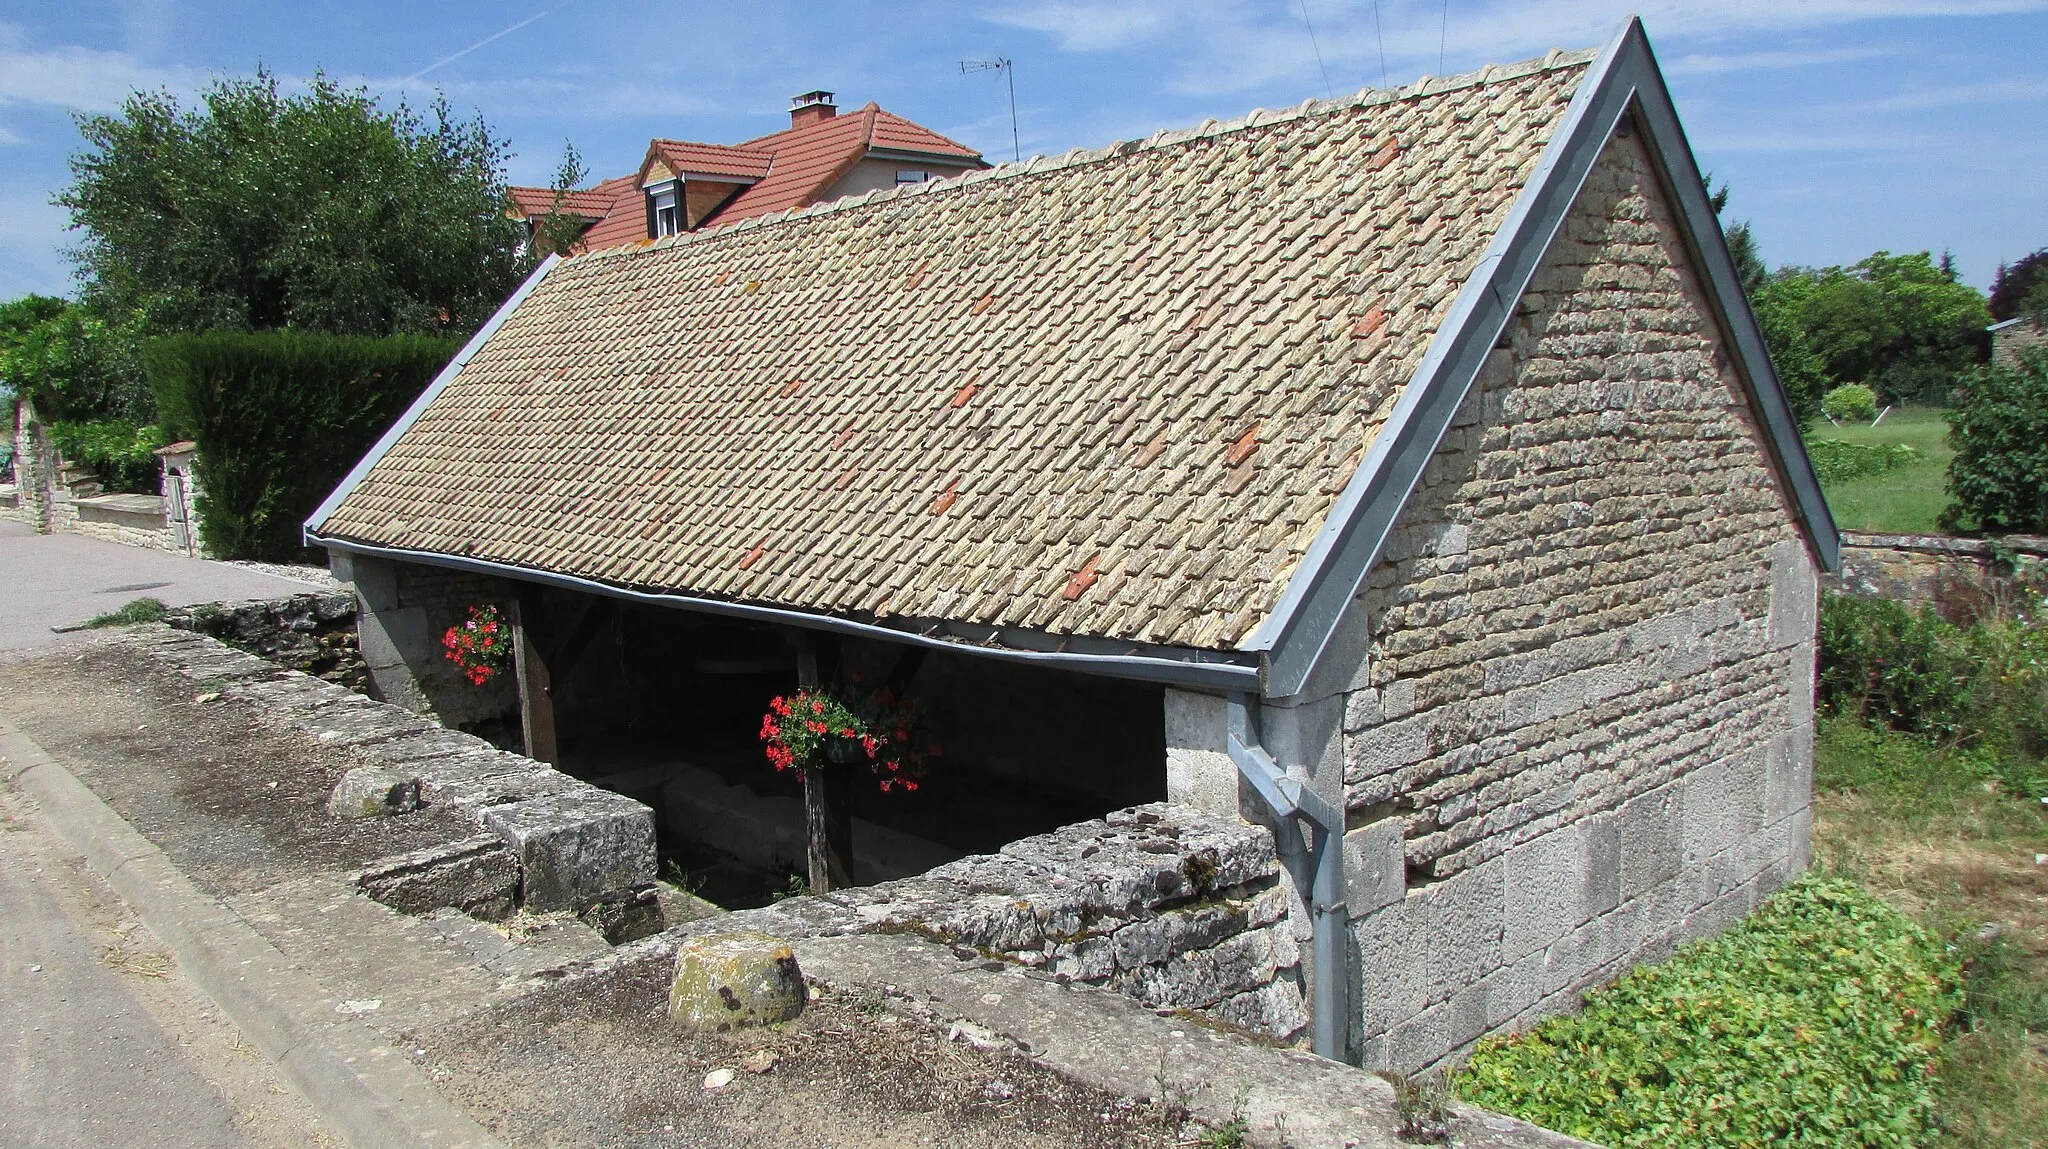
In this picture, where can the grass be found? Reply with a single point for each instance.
(1904, 501)
(1931, 831)
(137, 610)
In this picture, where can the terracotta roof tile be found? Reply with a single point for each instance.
(713, 159)
(1172, 384)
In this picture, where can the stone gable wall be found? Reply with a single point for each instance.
(1571, 719)
(1585, 734)
(404, 609)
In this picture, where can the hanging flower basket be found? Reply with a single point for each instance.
(480, 647)
(815, 728)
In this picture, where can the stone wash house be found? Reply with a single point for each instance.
(1402, 472)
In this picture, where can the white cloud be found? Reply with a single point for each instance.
(85, 79)
(1707, 64)
(1989, 92)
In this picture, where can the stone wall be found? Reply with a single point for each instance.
(1570, 717)
(1963, 579)
(131, 520)
(1179, 909)
(403, 610)
(522, 834)
(311, 633)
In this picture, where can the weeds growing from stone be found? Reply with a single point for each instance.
(135, 611)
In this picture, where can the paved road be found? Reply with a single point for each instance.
(50, 580)
(102, 1041)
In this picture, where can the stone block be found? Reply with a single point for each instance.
(1199, 772)
(727, 981)
(575, 847)
(1154, 940)
(394, 638)
(375, 579)
(1275, 1010)
(1543, 880)
(1546, 701)
(1795, 594)
(1393, 973)
(1462, 925)
(1386, 748)
(1652, 848)
(1375, 866)
(1600, 879)
(374, 792)
(478, 876)
(1089, 960)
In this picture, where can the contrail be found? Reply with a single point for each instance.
(499, 35)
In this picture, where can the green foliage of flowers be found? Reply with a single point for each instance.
(481, 646)
(803, 731)
(1814, 1022)
(1850, 401)
(1835, 460)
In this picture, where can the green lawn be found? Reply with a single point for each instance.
(1903, 501)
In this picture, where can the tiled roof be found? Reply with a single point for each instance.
(811, 158)
(714, 159)
(592, 203)
(1114, 393)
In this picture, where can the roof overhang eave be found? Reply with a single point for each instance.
(1225, 671)
(1622, 85)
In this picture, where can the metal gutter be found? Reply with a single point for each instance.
(1623, 80)
(426, 399)
(1198, 669)
(1318, 869)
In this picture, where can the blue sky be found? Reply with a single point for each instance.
(1844, 126)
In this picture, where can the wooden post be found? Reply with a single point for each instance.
(536, 701)
(828, 813)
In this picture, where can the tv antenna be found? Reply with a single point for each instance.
(1009, 71)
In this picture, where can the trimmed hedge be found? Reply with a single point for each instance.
(1835, 460)
(1814, 1022)
(280, 417)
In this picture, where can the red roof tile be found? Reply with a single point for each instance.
(794, 168)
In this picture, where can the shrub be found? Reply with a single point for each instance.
(1999, 427)
(280, 417)
(1812, 1023)
(1835, 460)
(1983, 688)
(1850, 401)
(132, 612)
(122, 454)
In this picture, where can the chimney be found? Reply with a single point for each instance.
(811, 108)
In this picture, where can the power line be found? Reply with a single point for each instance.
(1328, 92)
(1443, 35)
(1381, 36)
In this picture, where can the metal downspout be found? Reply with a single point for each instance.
(1290, 798)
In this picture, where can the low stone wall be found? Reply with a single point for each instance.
(311, 633)
(1179, 909)
(124, 519)
(1963, 579)
(531, 835)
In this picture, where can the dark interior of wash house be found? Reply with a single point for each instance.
(666, 706)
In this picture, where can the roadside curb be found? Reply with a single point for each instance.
(365, 1090)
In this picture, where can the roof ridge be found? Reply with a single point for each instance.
(1423, 87)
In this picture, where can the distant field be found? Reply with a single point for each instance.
(1902, 501)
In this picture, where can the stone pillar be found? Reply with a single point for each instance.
(35, 466)
(397, 643)
(1199, 772)
(1794, 628)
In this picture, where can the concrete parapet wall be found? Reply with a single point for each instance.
(1178, 909)
(572, 844)
(1961, 578)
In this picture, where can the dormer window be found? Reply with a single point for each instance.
(664, 212)
(905, 176)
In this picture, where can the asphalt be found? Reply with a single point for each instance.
(85, 1063)
(60, 579)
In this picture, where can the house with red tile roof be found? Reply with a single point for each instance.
(682, 185)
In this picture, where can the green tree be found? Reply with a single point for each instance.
(1999, 428)
(258, 209)
(1899, 324)
(560, 228)
(2017, 283)
(70, 362)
